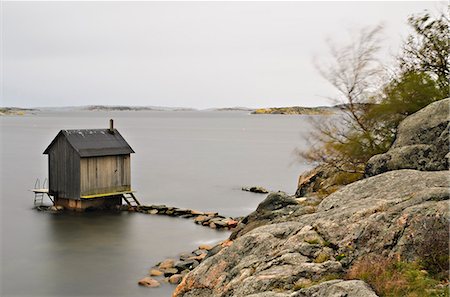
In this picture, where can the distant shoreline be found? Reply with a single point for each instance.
(294, 110)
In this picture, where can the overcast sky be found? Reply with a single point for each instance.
(185, 54)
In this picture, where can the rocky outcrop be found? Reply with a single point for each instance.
(422, 142)
(385, 214)
(275, 208)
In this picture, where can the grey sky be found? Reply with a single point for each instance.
(192, 54)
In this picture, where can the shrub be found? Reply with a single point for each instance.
(434, 253)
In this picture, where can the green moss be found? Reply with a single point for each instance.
(340, 257)
(322, 257)
(313, 241)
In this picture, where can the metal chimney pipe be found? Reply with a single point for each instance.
(111, 126)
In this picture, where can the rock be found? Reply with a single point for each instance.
(259, 190)
(212, 225)
(155, 272)
(186, 256)
(211, 214)
(200, 219)
(175, 279)
(422, 142)
(149, 282)
(214, 250)
(184, 272)
(206, 247)
(198, 252)
(168, 263)
(226, 242)
(159, 207)
(186, 265)
(199, 258)
(384, 215)
(181, 211)
(153, 211)
(170, 271)
(220, 221)
(59, 207)
(270, 294)
(336, 288)
(275, 205)
(231, 223)
(320, 178)
(197, 213)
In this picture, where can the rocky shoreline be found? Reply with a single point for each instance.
(313, 244)
(172, 271)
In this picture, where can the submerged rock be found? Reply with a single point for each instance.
(149, 282)
(259, 190)
(155, 272)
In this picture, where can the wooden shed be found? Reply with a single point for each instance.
(89, 168)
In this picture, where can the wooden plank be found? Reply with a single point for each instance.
(106, 194)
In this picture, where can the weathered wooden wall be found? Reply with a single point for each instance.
(64, 170)
(106, 174)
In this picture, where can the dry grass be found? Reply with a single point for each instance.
(394, 278)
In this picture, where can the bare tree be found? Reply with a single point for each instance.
(354, 71)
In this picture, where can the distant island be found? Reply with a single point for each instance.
(4, 111)
(298, 110)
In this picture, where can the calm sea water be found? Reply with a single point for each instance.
(196, 160)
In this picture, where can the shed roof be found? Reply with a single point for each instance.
(94, 142)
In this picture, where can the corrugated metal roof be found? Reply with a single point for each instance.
(95, 142)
